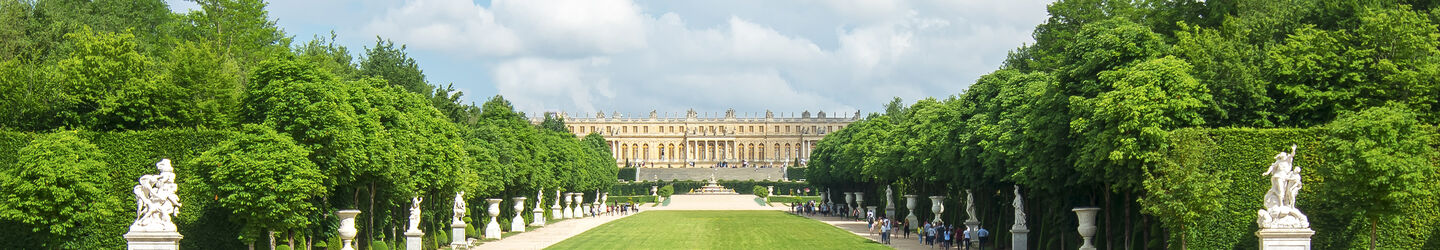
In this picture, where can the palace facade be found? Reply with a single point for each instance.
(699, 142)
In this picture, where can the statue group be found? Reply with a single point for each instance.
(1285, 184)
(156, 200)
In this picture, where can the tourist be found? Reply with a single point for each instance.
(905, 228)
(885, 230)
(930, 235)
(945, 240)
(982, 235)
(965, 237)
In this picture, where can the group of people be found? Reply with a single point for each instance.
(946, 235)
(620, 209)
(928, 233)
(811, 208)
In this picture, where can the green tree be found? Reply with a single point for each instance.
(265, 180)
(1380, 160)
(395, 66)
(54, 188)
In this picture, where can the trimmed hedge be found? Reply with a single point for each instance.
(626, 174)
(635, 199)
(795, 173)
(794, 199)
(1240, 155)
(129, 155)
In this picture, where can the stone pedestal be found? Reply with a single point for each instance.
(1085, 216)
(517, 224)
(347, 228)
(871, 210)
(910, 217)
(413, 239)
(1285, 239)
(161, 240)
(849, 203)
(974, 226)
(539, 219)
(457, 236)
(1019, 239)
(492, 229)
(579, 210)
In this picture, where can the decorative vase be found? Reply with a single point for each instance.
(849, 201)
(347, 228)
(578, 211)
(518, 223)
(492, 229)
(565, 211)
(1086, 218)
(937, 206)
(910, 204)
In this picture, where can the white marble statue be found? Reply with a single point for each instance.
(888, 194)
(539, 198)
(1019, 210)
(1280, 211)
(459, 208)
(415, 214)
(970, 205)
(156, 200)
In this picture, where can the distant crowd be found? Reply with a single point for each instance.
(927, 233)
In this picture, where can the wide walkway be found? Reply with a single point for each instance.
(897, 240)
(543, 237)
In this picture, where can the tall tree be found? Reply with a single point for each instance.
(395, 66)
(54, 188)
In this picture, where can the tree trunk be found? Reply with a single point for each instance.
(1129, 227)
(271, 235)
(1372, 234)
(292, 239)
(370, 225)
(1108, 211)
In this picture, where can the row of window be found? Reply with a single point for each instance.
(755, 152)
(710, 129)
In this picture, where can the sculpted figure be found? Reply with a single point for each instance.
(459, 208)
(415, 213)
(970, 204)
(1019, 209)
(156, 200)
(1285, 184)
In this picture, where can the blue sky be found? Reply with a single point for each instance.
(587, 56)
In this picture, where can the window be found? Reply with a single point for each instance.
(777, 129)
(647, 129)
(625, 129)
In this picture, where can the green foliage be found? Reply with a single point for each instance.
(395, 66)
(55, 190)
(631, 199)
(666, 191)
(379, 245)
(282, 247)
(1379, 159)
(264, 179)
(762, 192)
(794, 199)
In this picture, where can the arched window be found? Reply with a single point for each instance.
(787, 151)
(625, 151)
(762, 151)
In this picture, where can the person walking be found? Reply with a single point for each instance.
(981, 236)
(945, 240)
(905, 228)
(930, 235)
(885, 230)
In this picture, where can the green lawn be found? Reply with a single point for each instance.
(716, 230)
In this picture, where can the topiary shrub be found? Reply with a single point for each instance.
(334, 243)
(282, 247)
(761, 191)
(666, 191)
(379, 245)
(471, 232)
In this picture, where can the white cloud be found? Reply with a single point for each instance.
(617, 55)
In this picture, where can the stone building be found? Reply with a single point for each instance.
(696, 141)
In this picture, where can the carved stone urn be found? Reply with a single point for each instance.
(492, 229)
(347, 228)
(579, 212)
(937, 206)
(910, 204)
(849, 200)
(565, 211)
(518, 223)
(1086, 218)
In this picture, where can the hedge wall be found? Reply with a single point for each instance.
(626, 174)
(1241, 155)
(795, 173)
(636, 199)
(129, 155)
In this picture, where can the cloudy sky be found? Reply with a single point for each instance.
(673, 55)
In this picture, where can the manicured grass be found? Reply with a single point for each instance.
(716, 230)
